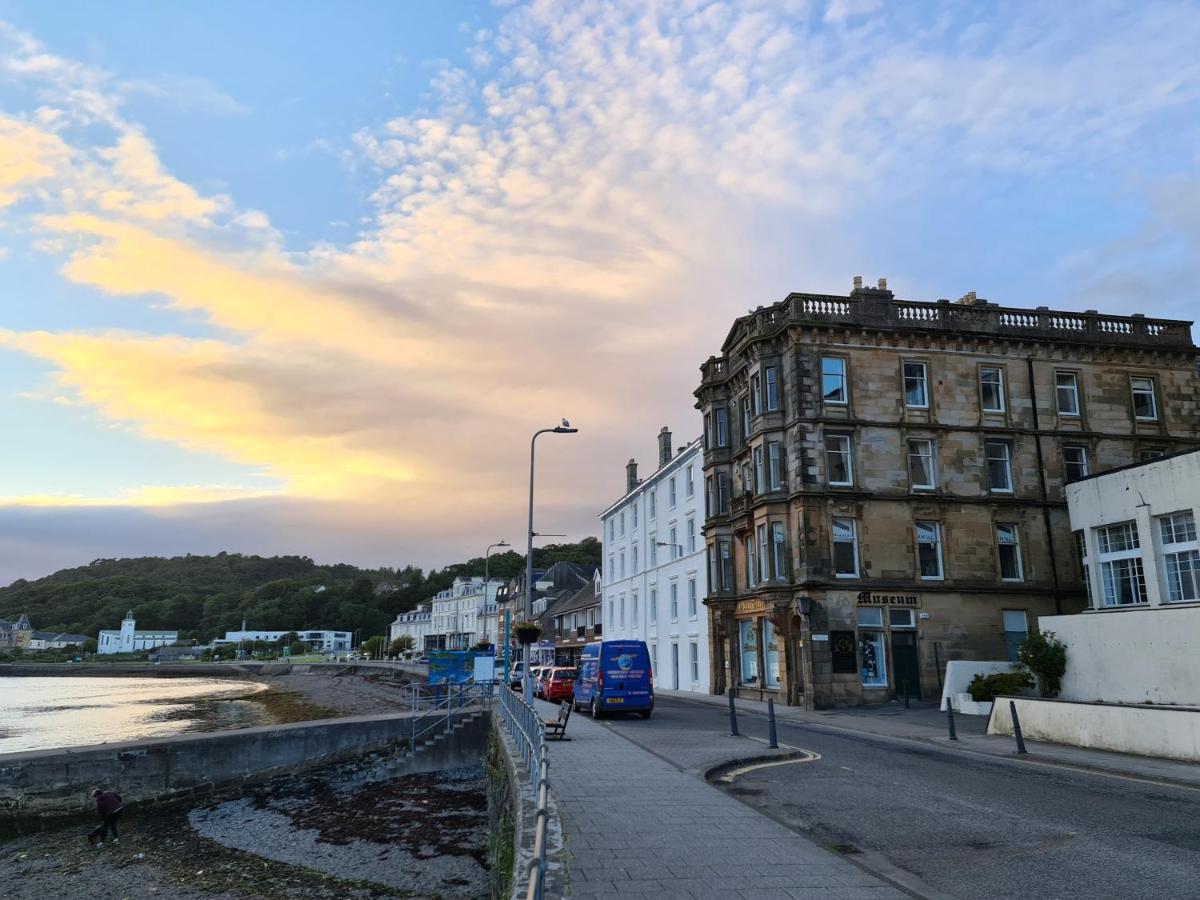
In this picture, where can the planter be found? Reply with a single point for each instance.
(527, 634)
(968, 707)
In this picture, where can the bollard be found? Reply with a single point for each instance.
(950, 719)
(1017, 728)
(732, 716)
(906, 706)
(774, 744)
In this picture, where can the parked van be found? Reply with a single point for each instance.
(615, 676)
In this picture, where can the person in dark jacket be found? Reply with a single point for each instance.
(109, 805)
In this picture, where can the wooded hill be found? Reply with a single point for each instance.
(204, 596)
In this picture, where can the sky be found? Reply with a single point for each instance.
(305, 277)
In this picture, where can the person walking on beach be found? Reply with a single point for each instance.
(109, 805)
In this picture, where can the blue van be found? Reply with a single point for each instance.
(615, 676)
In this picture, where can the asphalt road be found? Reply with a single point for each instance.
(960, 825)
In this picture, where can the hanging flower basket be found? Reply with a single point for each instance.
(527, 632)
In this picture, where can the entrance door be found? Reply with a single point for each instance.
(905, 664)
(675, 665)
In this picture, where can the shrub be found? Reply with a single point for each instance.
(1045, 657)
(984, 688)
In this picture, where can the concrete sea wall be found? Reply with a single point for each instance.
(41, 785)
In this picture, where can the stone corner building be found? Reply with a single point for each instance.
(884, 480)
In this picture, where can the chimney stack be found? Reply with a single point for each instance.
(631, 479)
(664, 446)
(858, 282)
(883, 284)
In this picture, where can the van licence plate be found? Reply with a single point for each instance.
(616, 700)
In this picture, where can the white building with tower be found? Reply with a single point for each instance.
(655, 577)
(130, 640)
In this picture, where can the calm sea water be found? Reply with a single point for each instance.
(38, 713)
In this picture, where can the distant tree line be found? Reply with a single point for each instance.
(204, 596)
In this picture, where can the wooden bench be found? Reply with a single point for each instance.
(556, 728)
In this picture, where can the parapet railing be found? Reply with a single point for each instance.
(525, 727)
(434, 706)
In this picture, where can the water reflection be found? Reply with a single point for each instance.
(40, 713)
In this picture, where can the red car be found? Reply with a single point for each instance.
(558, 684)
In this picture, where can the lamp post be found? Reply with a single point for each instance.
(564, 428)
(487, 558)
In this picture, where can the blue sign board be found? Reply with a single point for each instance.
(451, 666)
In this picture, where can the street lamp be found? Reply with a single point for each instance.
(564, 428)
(487, 558)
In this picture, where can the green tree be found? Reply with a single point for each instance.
(1044, 656)
(402, 644)
(374, 646)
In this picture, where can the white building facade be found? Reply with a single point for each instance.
(416, 623)
(464, 614)
(130, 640)
(1136, 532)
(322, 639)
(654, 577)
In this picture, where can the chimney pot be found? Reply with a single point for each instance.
(664, 446)
(883, 284)
(858, 282)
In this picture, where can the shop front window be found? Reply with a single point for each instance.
(748, 641)
(771, 653)
(872, 659)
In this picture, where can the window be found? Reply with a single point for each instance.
(838, 461)
(774, 466)
(1066, 392)
(745, 416)
(612, 615)
(750, 564)
(622, 563)
(694, 656)
(771, 374)
(929, 550)
(673, 547)
(710, 502)
(635, 558)
(654, 662)
(1075, 462)
(748, 644)
(722, 492)
(725, 552)
(653, 604)
(1181, 556)
(611, 535)
(633, 617)
(902, 618)
(709, 437)
(991, 388)
(1145, 454)
(779, 544)
(612, 569)
(833, 381)
(872, 654)
(760, 477)
(1016, 630)
(690, 488)
(634, 510)
(671, 493)
(1122, 579)
(652, 543)
(1145, 408)
(673, 594)
(1008, 546)
(845, 548)
(622, 518)
(921, 470)
(692, 598)
(622, 610)
(756, 394)
(722, 427)
(764, 558)
(999, 466)
(771, 654)
(691, 535)
(916, 387)
(1081, 551)
(652, 505)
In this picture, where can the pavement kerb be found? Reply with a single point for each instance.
(712, 773)
(943, 744)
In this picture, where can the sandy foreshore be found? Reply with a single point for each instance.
(330, 694)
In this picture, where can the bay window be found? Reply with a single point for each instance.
(1122, 578)
(1181, 556)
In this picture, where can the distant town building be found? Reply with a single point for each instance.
(16, 635)
(464, 614)
(576, 621)
(655, 578)
(1135, 529)
(415, 623)
(885, 480)
(323, 640)
(56, 640)
(130, 640)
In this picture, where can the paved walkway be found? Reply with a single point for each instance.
(925, 722)
(637, 824)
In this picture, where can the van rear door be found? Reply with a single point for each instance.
(626, 667)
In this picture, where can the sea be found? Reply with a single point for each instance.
(41, 713)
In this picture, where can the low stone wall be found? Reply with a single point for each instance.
(42, 786)
(1161, 731)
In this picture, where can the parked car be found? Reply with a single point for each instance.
(535, 672)
(558, 683)
(422, 660)
(614, 676)
(515, 674)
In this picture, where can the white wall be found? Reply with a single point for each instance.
(660, 632)
(1131, 655)
(1144, 730)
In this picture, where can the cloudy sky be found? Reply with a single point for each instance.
(304, 277)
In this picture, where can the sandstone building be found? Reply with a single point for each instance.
(884, 480)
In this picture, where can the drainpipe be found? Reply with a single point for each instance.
(1037, 439)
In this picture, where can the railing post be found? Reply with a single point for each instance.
(950, 718)
(733, 730)
(774, 742)
(1012, 705)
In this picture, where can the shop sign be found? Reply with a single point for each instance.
(866, 598)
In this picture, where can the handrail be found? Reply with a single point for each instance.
(527, 731)
(441, 705)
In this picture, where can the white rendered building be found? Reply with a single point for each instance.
(1139, 548)
(655, 577)
(416, 623)
(130, 640)
(322, 639)
(464, 613)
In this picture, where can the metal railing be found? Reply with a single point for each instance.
(525, 727)
(434, 706)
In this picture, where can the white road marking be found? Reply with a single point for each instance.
(809, 756)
